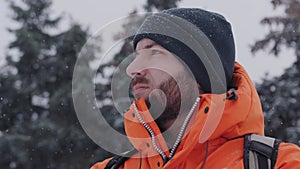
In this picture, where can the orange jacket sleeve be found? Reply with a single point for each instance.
(100, 165)
(288, 156)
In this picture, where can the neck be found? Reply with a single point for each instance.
(172, 127)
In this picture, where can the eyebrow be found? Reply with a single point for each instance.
(147, 47)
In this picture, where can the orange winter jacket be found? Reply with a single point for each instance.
(213, 140)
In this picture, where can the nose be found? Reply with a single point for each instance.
(136, 68)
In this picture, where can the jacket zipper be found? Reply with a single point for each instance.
(179, 137)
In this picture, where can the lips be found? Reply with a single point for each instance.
(137, 88)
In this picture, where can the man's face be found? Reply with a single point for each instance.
(152, 66)
(156, 68)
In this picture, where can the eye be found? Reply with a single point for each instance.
(156, 52)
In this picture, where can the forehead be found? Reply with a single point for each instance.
(147, 44)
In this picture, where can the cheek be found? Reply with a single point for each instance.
(158, 77)
(169, 67)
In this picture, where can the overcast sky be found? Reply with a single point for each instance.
(244, 17)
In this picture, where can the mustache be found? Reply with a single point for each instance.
(140, 80)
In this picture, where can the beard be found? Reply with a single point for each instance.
(171, 98)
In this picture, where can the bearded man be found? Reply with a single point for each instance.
(194, 105)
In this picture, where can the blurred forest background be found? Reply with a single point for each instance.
(38, 124)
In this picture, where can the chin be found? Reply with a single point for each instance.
(139, 96)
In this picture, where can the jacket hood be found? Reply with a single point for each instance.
(240, 116)
(217, 118)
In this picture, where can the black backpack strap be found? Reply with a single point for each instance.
(246, 151)
(260, 152)
(275, 152)
(119, 160)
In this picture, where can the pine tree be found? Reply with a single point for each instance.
(160, 4)
(280, 95)
(39, 128)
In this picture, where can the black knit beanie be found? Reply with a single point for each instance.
(202, 39)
